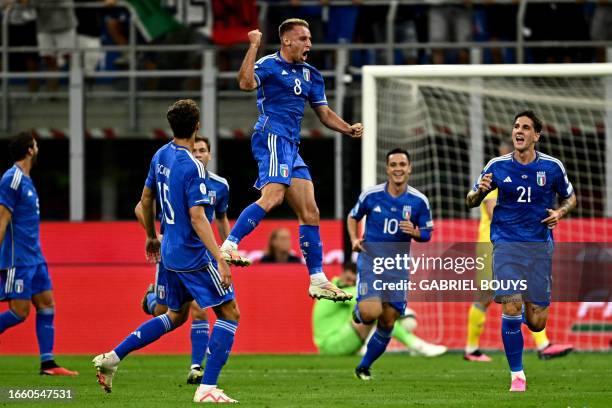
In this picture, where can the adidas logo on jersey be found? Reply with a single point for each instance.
(508, 180)
(30, 194)
(284, 72)
(377, 209)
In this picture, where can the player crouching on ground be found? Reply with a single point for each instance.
(335, 332)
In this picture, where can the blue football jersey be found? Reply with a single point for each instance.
(179, 181)
(218, 194)
(524, 194)
(21, 244)
(384, 212)
(282, 91)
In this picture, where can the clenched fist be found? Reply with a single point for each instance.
(357, 130)
(255, 38)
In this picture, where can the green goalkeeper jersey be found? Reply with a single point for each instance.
(328, 317)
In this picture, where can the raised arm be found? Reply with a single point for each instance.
(334, 122)
(246, 75)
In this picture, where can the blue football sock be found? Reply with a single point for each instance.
(376, 347)
(146, 333)
(247, 221)
(312, 248)
(45, 333)
(199, 341)
(512, 337)
(151, 302)
(9, 319)
(219, 348)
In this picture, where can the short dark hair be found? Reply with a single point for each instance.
(537, 122)
(183, 117)
(349, 266)
(398, 150)
(199, 138)
(20, 144)
(288, 25)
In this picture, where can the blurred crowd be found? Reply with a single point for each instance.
(49, 25)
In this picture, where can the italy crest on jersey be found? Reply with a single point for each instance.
(212, 196)
(306, 73)
(161, 291)
(406, 212)
(19, 285)
(284, 170)
(541, 178)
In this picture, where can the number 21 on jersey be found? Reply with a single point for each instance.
(525, 196)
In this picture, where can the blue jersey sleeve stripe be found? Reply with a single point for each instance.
(257, 80)
(199, 165)
(264, 58)
(554, 160)
(417, 193)
(371, 190)
(496, 159)
(218, 178)
(16, 179)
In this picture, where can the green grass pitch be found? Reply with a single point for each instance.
(579, 380)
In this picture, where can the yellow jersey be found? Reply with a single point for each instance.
(484, 229)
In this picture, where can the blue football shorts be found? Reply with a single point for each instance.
(203, 286)
(278, 160)
(367, 288)
(22, 282)
(529, 262)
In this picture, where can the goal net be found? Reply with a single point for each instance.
(452, 120)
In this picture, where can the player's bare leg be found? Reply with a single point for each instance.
(367, 311)
(536, 316)
(301, 198)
